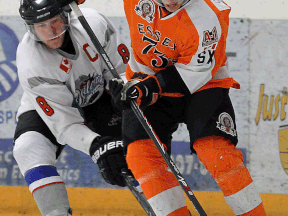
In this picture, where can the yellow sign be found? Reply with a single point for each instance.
(270, 107)
(265, 107)
(283, 147)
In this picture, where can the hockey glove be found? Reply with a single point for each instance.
(142, 88)
(115, 87)
(108, 153)
(147, 89)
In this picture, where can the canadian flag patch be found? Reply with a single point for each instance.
(65, 65)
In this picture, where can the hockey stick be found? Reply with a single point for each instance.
(132, 185)
(138, 112)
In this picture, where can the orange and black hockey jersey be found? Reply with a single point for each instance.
(193, 38)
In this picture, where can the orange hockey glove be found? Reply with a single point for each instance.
(147, 89)
(143, 88)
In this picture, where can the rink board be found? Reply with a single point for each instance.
(257, 54)
(84, 173)
(15, 201)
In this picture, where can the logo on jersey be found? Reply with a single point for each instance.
(65, 65)
(210, 37)
(146, 10)
(88, 89)
(225, 124)
(8, 72)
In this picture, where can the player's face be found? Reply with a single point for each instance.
(51, 32)
(172, 5)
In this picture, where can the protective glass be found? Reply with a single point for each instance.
(48, 29)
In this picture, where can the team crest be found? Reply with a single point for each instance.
(210, 37)
(146, 10)
(225, 124)
(283, 146)
(88, 89)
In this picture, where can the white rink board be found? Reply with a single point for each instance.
(9, 106)
(268, 66)
(257, 54)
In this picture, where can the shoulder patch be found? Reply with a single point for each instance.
(146, 9)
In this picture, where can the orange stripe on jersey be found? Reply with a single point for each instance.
(222, 83)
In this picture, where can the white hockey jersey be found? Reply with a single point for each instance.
(53, 79)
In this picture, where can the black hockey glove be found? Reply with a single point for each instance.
(143, 88)
(115, 87)
(108, 153)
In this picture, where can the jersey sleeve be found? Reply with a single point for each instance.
(53, 101)
(114, 46)
(202, 43)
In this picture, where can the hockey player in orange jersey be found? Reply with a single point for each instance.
(178, 73)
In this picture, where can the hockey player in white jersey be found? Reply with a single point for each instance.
(66, 99)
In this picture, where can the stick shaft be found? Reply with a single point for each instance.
(140, 198)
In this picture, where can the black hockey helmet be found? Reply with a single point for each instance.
(34, 11)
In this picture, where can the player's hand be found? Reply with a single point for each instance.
(143, 88)
(115, 87)
(108, 153)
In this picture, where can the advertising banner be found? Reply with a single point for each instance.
(11, 31)
(268, 79)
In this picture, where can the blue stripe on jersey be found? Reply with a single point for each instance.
(40, 172)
